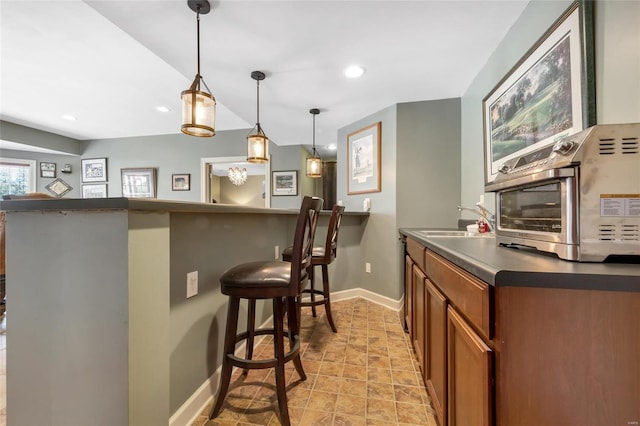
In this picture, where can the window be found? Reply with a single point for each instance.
(17, 176)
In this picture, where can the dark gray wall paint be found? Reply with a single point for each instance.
(26, 135)
(428, 170)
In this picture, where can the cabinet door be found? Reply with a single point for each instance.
(436, 349)
(419, 316)
(469, 371)
(408, 295)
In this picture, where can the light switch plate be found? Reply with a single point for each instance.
(192, 284)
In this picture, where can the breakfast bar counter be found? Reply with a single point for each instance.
(101, 330)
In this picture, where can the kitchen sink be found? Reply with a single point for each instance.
(459, 234)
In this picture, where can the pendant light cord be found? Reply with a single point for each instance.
(258, 104)
(314, 135)
(198, 31)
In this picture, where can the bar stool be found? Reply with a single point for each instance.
(322, 256)
(281, 282)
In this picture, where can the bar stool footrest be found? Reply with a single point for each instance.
(257, 364)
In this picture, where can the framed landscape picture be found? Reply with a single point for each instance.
(285, 183)
(181, 182)
(548, 95)
(363, 160)
(94, 190)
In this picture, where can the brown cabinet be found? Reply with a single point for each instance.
(408, 295)
(469, 374)
(419, 316)
(450, 316)
(524, 355)
(436, 348)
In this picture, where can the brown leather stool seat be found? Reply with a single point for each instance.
(322, 256)
(281, 282)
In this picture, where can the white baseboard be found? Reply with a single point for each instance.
(187, 414)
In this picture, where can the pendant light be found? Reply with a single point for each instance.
(257, 141)
(314, 163)
(198, 105)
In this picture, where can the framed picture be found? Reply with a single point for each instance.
(548, 95)
(58, 187)
(47, 170)
(285, 183)
(94, 170)
(363, 160)
(139, 183)
(94, 190)
(181, 182)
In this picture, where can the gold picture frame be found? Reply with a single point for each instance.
(363, 160)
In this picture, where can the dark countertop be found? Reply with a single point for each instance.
(502, 266)
(142, 204)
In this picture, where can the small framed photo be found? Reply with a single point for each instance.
(58, 187)
(139, 183)
(47, 170)
(285, 183)
(94, 190)
(363, 160)
(181, 182)
(94, 170)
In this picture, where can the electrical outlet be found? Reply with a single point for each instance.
(367, 267)
(277, 252)
(192, 284)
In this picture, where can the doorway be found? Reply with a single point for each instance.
(217, 188)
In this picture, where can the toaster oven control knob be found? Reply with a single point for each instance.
(563, 147)
(504, 169)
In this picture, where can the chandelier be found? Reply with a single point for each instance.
(237, 176)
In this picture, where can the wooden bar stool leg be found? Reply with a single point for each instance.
(281, 389)
(327, 301)
(229, 349)
(251, 326)
(312, 280)
(294, 333)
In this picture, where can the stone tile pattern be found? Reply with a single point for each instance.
(366, 374)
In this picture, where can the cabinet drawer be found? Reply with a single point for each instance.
(416, 251)
(467, 293)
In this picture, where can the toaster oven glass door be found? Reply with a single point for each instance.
(537, 208)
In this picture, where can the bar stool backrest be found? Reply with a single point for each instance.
(303, 242)
(331, 245)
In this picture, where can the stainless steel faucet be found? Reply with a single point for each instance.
(483, 213)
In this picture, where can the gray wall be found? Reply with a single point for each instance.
(292, 158)
(617, 49)
(16, 133)
(420, 171)
(428, 170)
(73, 178)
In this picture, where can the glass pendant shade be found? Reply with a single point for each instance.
(258, 147)
(314, 167)
(314, 163)
(198, 112)
(257, 141)
(198, 105)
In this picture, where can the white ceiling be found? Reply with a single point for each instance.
(111, 63)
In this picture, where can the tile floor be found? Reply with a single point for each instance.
(366, 374)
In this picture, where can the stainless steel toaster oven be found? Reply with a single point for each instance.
(578, 198)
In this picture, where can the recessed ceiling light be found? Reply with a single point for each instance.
(332, 147)
(163, 109)
(354, 71)
(69, 117)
